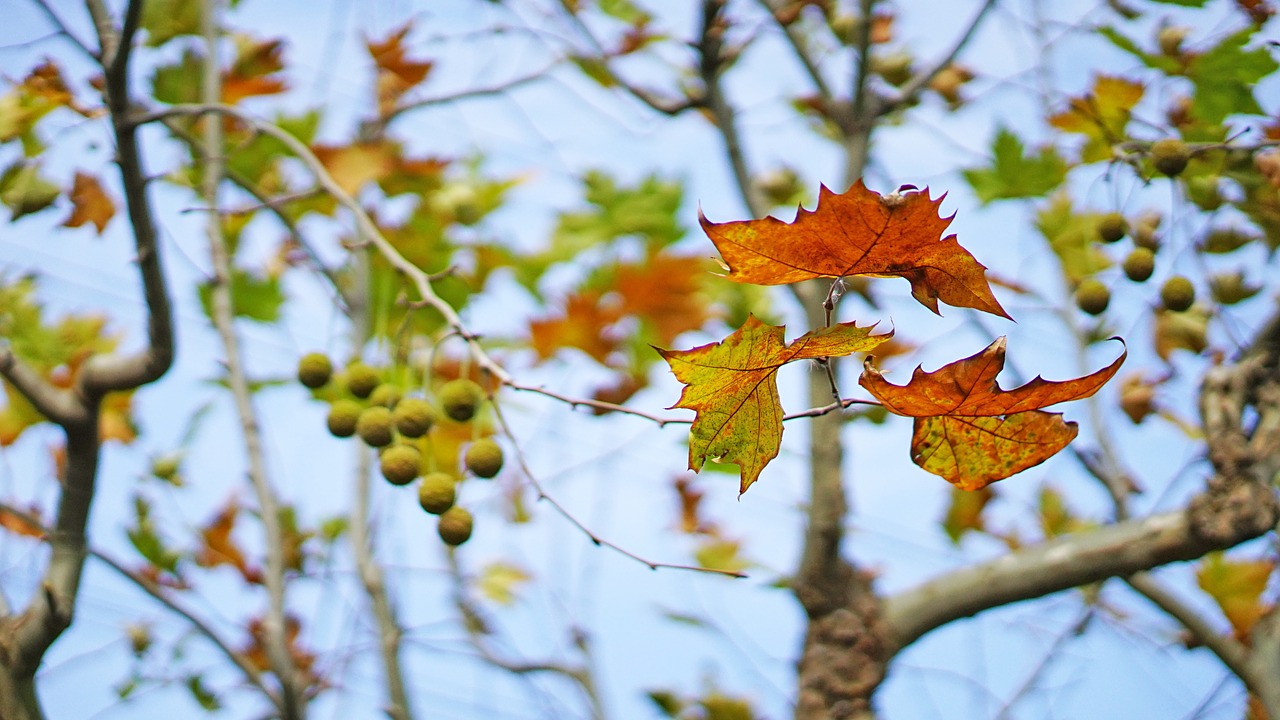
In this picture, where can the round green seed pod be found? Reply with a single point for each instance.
(414, 417)
(1112, 227)
(1177, 293)
(1139, 264)
(375, 427)
(361, 379)
(314, 370)
(400, 464)
(387, 395)
(484, 458)
(1092, 296)
(460, 398)
(343, 417)
(1170, 156)
(455, 526)
(437, 492)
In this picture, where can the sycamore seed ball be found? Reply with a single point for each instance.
(1170, 155)
(361, 379)
(1177, 293)
(386, 395)
(400, 464)
(484, 458)
(437, 492)
(414, 417)
(375, 426)
(1092, 296)
(455, 526)
(1112, 227)
(343, 417)
(460, 398)
(314, 370)
(1139, 264)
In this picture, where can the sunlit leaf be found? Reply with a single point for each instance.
(970, 431)
(733, 387)
(89, 203)
(859, 233)
(499, 581)
(1013, 173)
(1101, 115)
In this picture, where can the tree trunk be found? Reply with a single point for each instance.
(18, 699)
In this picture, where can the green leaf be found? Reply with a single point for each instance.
(1224, 78)
(24, 191)
(181, 82)
(1162, 63)
(667, 702)
(721, 554)
(1071, 236)
(166, 19)
(203, 697)
(623, 10)
(252, 297)
(1014, 174)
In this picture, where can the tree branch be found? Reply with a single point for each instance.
(276, 643)
(910, 91)
(1062, 563)
(59, 406)
(710, 45)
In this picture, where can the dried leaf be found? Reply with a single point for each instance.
(1100, 115)
(586, 324)
(397, 74)
(89, 203)
(28, 523)
(859, 233)
(218, 547)
(733, 387)
(970, 431)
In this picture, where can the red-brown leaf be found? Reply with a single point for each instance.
(970, 431)
(859, 233)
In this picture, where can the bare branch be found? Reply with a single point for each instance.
(1231, 652)
(62, 28)
(60, 406)
(1065, 562)
(910, 92)
(595, 539)
(710, 46)
(291, 703)
(803, 54)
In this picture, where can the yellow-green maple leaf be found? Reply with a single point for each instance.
(732, 386)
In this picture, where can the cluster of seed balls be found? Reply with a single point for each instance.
(381, 416)
(1169, 156)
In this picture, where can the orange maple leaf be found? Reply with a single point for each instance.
(251, 73)
(587, 324)
(89, 203)
(859, 233)
(397, 74)
(970, 431)
(732, 385)
(219, 548)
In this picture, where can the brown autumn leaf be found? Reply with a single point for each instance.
(397, 74)
(218, 547)
(859, 233)
(691, 521)
(256, 650)
(732, 385)
(586, 324)
(89, 203)
(970, 431)
(251, 73)
(666, 291)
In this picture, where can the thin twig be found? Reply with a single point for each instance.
(156, 591)
(62, 28)
(473, 622)
(292, 705)
(592, 536)
(910, 91)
